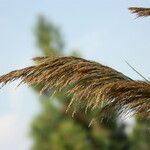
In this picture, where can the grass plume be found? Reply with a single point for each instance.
(89, 83)
(140, 11)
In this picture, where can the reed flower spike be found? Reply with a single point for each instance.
(89, 83)
(140, 11)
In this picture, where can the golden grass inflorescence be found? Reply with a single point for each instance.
(140, 11)
(89, 83)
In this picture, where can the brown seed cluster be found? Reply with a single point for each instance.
(140, 11)
(91, 85)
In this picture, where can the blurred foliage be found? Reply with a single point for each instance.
(141, 135)
(54, 129)
(49, 39)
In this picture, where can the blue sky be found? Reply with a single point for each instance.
(102, 30)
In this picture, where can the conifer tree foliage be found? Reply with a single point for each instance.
(49, 39)
(141, 135)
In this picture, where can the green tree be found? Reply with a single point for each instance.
(55, 129)
(49, 39)
(141, 135)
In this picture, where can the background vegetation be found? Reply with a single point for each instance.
(54, 129)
